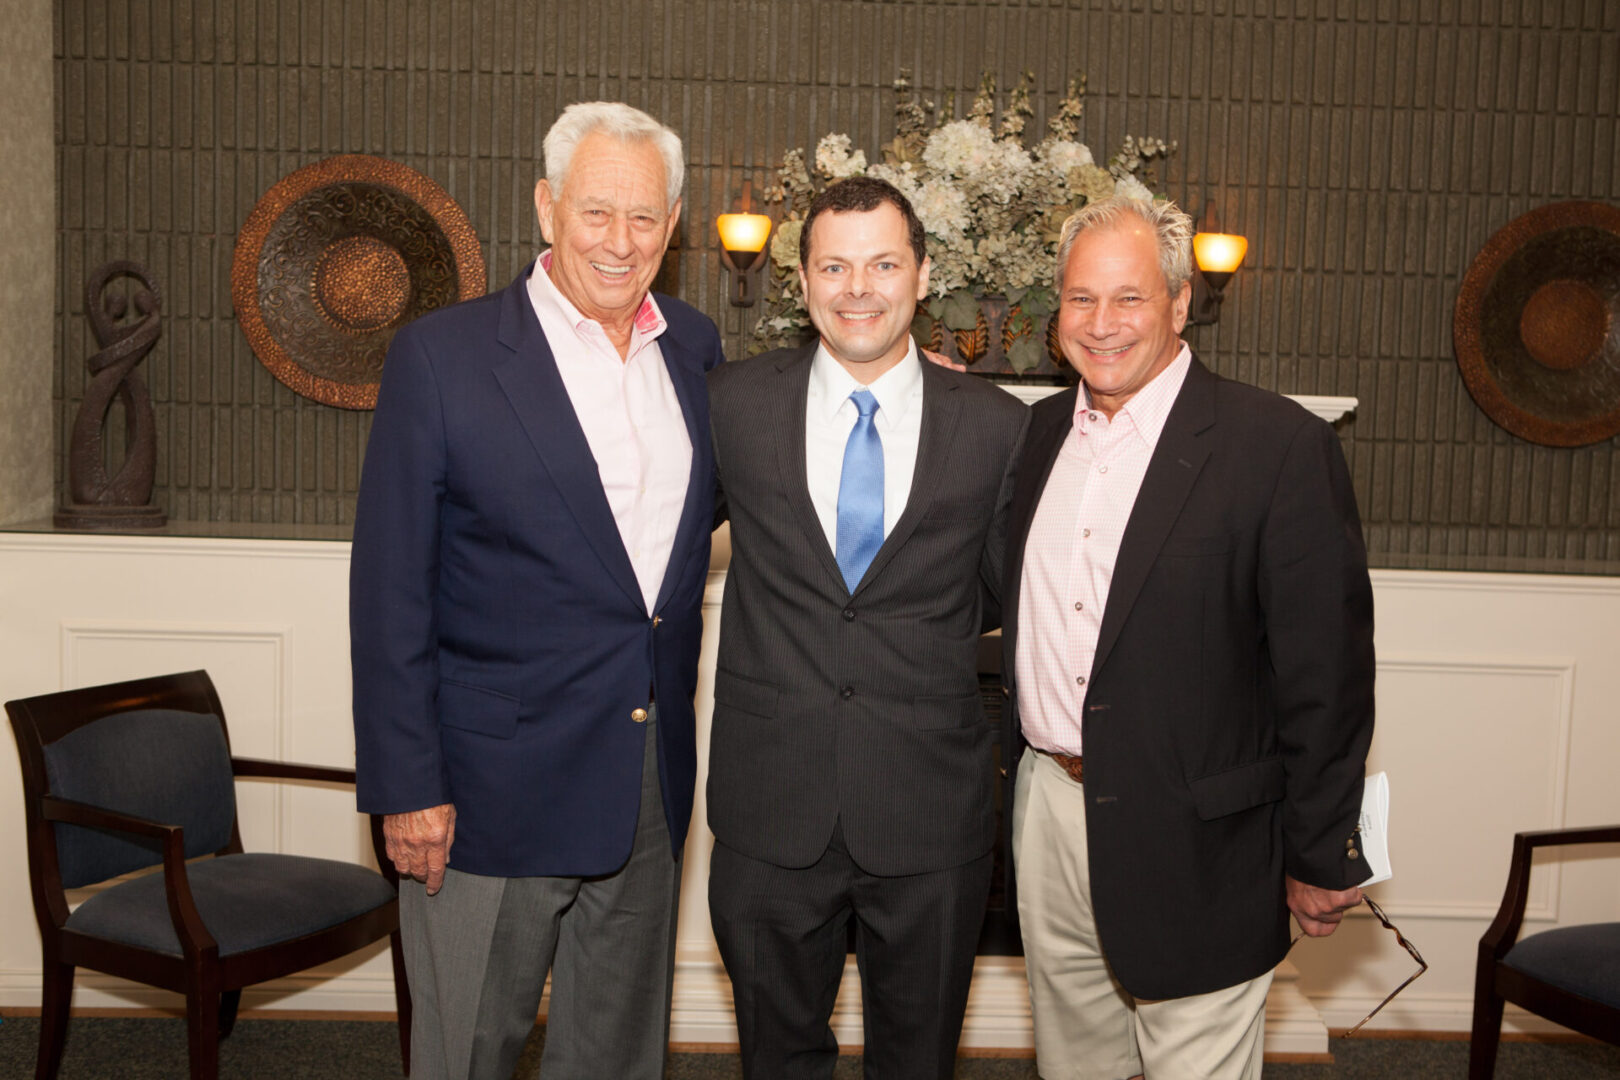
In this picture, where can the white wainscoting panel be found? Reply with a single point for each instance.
(246, 664)
(1496, 713)
(268, 620)
(1427, 707)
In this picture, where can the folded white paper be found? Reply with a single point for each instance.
(1374, 827)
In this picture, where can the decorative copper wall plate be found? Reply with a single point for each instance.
(336, 257)
(1537, 325)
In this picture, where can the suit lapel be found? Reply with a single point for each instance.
(789, 402)
(1049, 428)
(939, 408)
(686, 372)
(1171, 472)
(533, 385)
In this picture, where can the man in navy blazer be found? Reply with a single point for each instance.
(530, 552)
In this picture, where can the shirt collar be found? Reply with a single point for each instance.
(1148, 408)
(544, 294)
(895, 389)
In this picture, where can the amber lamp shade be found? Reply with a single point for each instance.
(744, 232)
(1219, 254)
(742, 238)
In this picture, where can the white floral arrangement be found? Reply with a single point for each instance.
(992, 208)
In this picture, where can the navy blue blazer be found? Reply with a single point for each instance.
(499, 638)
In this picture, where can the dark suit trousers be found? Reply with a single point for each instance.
(783, 936)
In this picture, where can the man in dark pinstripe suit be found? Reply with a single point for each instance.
(850, 768)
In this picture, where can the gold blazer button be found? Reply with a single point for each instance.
(639, 716)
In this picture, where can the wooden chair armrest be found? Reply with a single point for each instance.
(287, 770)
(72, 812)
(188, 925)
(1504, 929)
(1590, 834)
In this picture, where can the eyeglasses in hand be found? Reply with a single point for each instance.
(1400, 939)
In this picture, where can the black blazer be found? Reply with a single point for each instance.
(1230, 705)
(860, 708)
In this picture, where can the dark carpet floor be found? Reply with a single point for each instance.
(155, 1049)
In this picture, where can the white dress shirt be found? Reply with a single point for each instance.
(830, 417)
(1072, 547)
(632, 421)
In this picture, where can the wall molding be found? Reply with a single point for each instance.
(267, 638)
(1517, 582)
(1560, 668)
(1413, 1011)
(1328, 408)
(230, 547)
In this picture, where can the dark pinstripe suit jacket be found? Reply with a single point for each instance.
(862, 708)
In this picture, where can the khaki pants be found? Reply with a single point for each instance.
(1087, 1025)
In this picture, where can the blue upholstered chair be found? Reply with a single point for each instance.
(1570, 975)
(138, 774)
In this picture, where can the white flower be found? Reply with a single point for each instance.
(942, 208)
(1132, 188)
(1061, 155)
(960, 148)
(834, 159)
(902, 176)
(785, 244)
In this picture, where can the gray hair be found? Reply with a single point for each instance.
(622, 122)
(1172, 229)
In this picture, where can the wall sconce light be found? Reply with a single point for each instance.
(742, 238)
(1218, 256)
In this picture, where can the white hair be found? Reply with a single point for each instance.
(1172, 230)
(621, 121)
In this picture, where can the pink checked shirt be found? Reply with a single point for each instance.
(1072, 547)
(632, 421)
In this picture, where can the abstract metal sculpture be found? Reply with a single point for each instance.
(99, 498)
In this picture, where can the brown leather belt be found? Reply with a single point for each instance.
(1069, 763)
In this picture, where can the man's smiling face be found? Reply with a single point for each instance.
(861, 287)
(608, 227)
(1118, 324)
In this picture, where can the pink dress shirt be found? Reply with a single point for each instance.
(1070, 554)
(632, 421)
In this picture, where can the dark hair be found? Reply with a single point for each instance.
(860, 194)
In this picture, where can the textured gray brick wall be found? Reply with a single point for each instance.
(1366, 148)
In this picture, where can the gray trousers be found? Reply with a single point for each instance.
(477, 953)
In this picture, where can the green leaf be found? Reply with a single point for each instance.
(936, 307)
(961, 311)
(1040, 302)
(922, 327)
(1026, 353)
(1015, 295)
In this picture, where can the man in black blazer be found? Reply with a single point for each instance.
(530, 553)
(1189, 654)
(850, 763)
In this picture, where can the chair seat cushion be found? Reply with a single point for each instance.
(1581, 959)
(246, 901)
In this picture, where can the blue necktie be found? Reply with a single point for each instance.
(860, 494)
